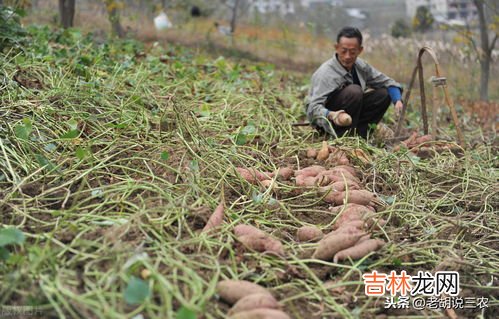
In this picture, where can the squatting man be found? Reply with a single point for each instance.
(347, 94)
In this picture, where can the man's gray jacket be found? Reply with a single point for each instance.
(332, 76)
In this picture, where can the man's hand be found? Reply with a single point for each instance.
(398, 108)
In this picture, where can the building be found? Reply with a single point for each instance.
(282, 7)
(444, 10)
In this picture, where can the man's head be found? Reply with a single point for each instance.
(348, 46)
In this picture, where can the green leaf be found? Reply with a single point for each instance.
(81, 153)
(11, 236)
(186, 313)
(397, 262)
(73, 124)
(21, 132)
(240, 139)
(165, 155)
(194, 165)
(137, 291)
(4, 253)
(248, 130)
(50, 147)
(71, 134)
(42, 161)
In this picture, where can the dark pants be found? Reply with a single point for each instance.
(364, 108)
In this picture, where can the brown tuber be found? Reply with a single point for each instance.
(309, 233)
(361, 249)
(254, 301)
(323, 153)
(260, 314)
(216, 219)
(232, 291)
(330, 245)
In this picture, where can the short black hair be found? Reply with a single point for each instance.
(350, 32)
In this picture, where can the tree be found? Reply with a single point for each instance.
(237, 8)
(67, 12)
(113, 9)
(400, 29)
(486, 46)
(423, 19)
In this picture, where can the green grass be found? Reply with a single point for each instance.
(112, 160)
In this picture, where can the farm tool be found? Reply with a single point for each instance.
(438, 81)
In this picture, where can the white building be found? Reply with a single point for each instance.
(267, 6)
(311, 3)
(444, 10)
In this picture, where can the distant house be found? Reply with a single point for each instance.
(282, 7)
(445, 11)
(313, 3)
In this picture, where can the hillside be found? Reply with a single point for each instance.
(113, 156)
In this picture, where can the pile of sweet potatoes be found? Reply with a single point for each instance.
(249, 300)
(426, 146)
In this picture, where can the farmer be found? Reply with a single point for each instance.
(346, 93)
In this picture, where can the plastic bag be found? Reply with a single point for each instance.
(162, 22)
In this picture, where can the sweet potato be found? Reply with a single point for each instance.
(285, 173)
(359, 250)
(303, 180)
(351, 213)
(347, 168)
(344, 119)
(338, 209)
(260, 314)
(343, 171)
(258, 240)
(423, 139)
(309, 233)
(311, 153)
(216, 219)
(330, 245)
(323, 153)
(254, 301)
(353, 227)
(231, 291)
(361, 197)
(310, 171)
(266, 183)
(337, 157)
(339, 175)
(242, 229)
(252, 175)
(247, 175)
(339, 187)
